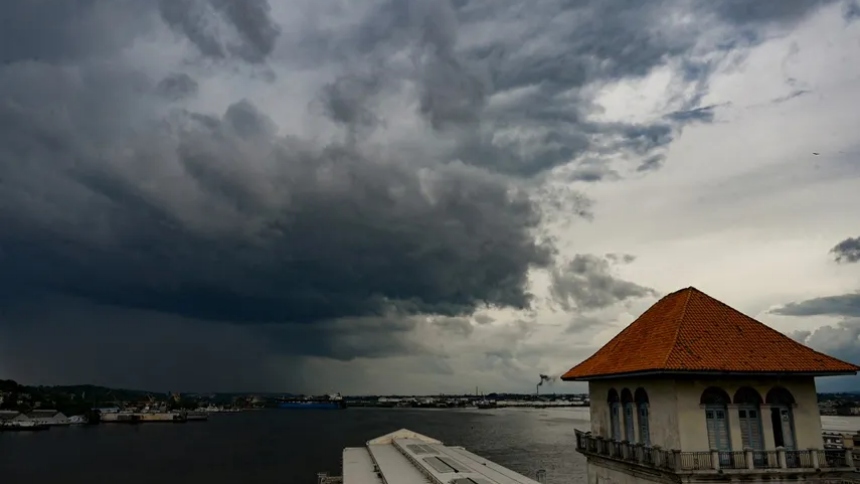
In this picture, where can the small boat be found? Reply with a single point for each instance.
(23, 426)
(326, 402)
(196, 416)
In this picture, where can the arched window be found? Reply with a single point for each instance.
(781, 402)
(627, 406)
(749, 416)
(716, 401)
(779, 396)
(614, 410)
(641, 399)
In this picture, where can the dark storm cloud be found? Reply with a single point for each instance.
(202, 22)
(842, 305)
(847, 251)
(586, 283)
(213, 214)
(349, 338)
(260, 228)
(133, 349)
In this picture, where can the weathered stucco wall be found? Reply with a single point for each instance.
(691, 414)
(677, 419)
(663, 421)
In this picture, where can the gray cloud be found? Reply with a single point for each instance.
(204, 22)
(477, 83)
(586, 283)
(851, 10)
(704, 114)
(482, 319)
(651, 163)
(177, 86)
(842, 305)
(620, 258)
(767, 11)
(78, 30)
(139, 179)
(847, 251)
(583, 322)
(794, 94)
(842, 341)
(592, 172)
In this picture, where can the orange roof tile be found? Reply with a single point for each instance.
(689, 331)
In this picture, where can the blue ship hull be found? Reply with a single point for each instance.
(312, 405)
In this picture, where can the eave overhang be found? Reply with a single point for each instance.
(707, 373)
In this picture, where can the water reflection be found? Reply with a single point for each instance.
(291, 446)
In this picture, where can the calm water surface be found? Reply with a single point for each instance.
(289, 447)
(286, 446)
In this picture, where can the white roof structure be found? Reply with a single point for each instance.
(406, 457)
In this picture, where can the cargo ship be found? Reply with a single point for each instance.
(326, 402)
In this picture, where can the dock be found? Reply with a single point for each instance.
(406, 457)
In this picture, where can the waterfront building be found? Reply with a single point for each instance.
(48, 417)
(695, 391)
(10, 417)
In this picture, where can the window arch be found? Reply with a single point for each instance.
(716, 401)
(613, 396)
(640, 397)
(714, 396)
(628, 407)
(779, 396)
(614, 410)
(781, 402)
(749, 403)
(747, 396)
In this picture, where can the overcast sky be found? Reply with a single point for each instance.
(414, 196)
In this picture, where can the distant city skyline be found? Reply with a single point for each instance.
(380, 196)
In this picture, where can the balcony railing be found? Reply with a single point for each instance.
(748, 459)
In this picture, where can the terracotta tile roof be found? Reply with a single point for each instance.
(689, 331)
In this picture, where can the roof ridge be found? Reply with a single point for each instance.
(772, 330)
(678, 327)
(627, 328)
(719, 338)
(784, 337)
(795, 342)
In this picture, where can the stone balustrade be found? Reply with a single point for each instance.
(676, 461)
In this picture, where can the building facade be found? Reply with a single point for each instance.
(10, 417)
(696, 391)
(48, 417)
